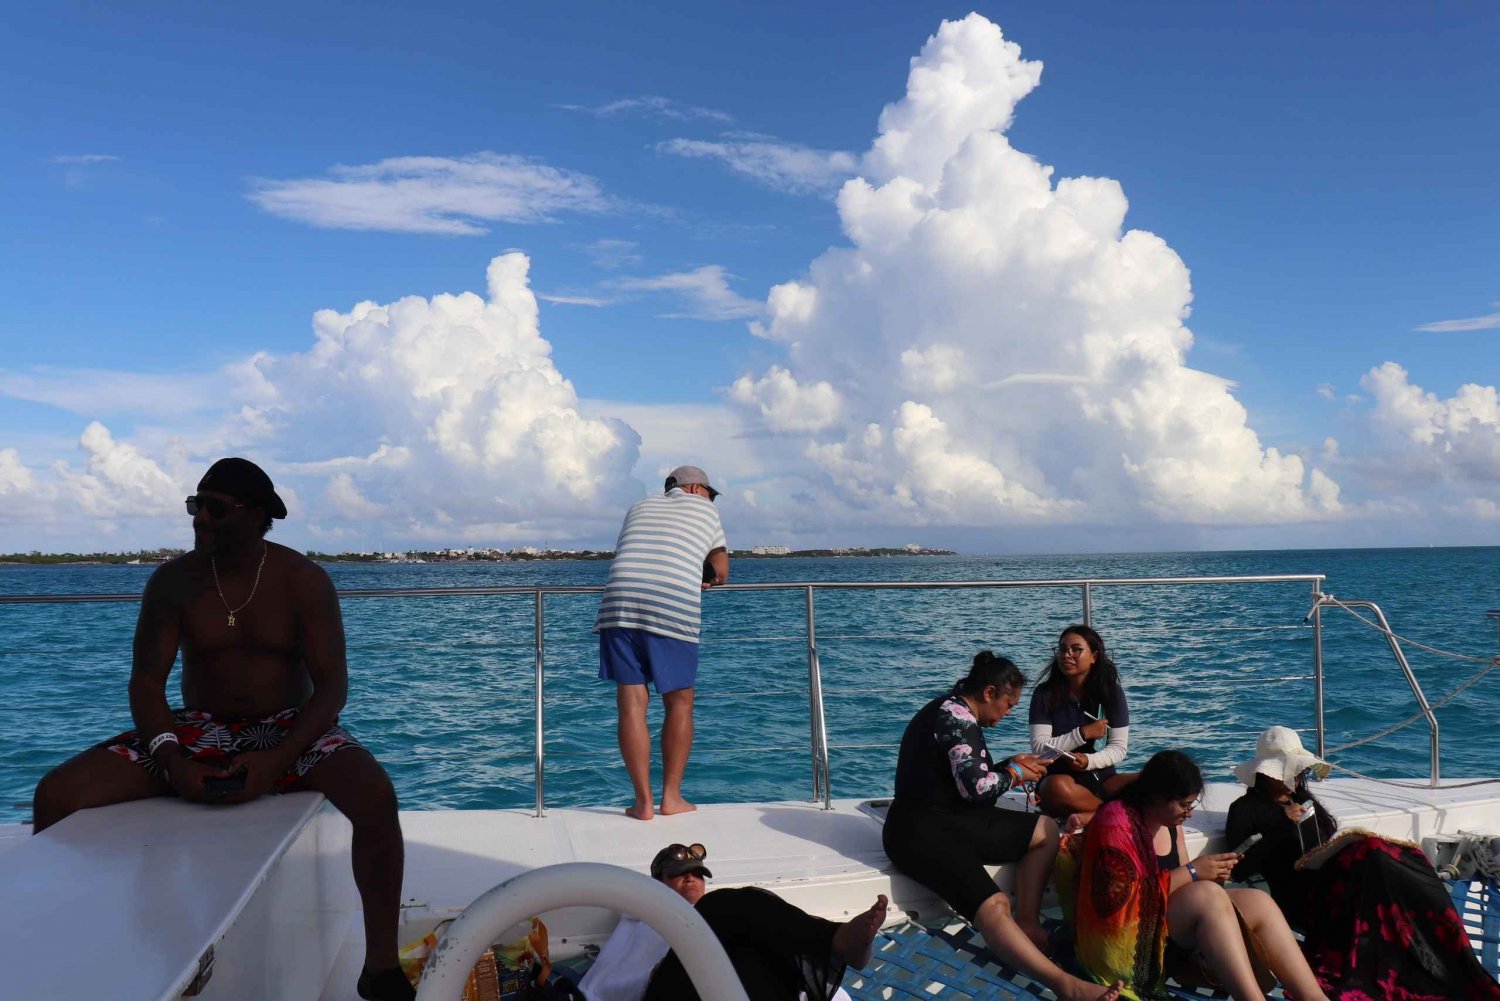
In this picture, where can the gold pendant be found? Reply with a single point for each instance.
(231, 618)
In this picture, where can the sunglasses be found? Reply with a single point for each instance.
(679, 853)
(216, 507)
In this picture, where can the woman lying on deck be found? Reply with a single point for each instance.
(943, 826)
(1135, 883)
(1377, 921)
(780, 952)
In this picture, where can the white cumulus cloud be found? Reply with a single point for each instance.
(441, 419)
(1457, 439)
(992, 332)
(784, 404)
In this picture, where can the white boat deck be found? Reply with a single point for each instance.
(146, 887)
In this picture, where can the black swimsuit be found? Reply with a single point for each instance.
(943, 826)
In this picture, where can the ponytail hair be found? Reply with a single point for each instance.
(1169, 775)
(988, 670)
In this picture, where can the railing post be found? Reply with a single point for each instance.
(1317, 623)
(817, 736)
(539, 749)
(1088, 605)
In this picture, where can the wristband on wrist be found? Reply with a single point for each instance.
(1015, 770)
(165, 737)
(1192, 871)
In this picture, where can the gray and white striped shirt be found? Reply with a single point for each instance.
(656, 576)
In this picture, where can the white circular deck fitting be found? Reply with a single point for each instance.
(579, 884)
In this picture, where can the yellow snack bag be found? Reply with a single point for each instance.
(503, 971)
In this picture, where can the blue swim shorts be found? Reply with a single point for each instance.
(634, 657)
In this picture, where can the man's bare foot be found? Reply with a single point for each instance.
(1082, 990)
(675, 805)
(641, 811)
(855, 938)
(1037, 934)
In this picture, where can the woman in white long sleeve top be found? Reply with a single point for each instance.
(1077, 704)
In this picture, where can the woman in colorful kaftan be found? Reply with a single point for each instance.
(1377, 922)
(1143, 912)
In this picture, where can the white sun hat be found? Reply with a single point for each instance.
(1279, 754)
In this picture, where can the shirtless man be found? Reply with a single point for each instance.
(263, 680)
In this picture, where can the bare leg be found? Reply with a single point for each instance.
(1031, 880)
(635, 746)
(1060, 795)
(676, 742)
(1201, 917)
(1006, 940)
(96, 777)
(855, 938)
(359, 788)
(1282, 953)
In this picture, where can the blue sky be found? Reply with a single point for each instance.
(187, 187)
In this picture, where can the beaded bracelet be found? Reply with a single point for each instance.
(165, 737)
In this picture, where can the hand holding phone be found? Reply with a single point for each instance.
(1049, 754)
(218, 788)
(1248, 843)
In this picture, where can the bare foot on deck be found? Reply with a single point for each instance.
(675, 805)
(1037, 934)
(1082, 990)
(855, 938)
(640, 811)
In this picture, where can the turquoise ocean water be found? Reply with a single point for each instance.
(441, 689)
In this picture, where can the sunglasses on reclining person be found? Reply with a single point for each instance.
(216, 507)
(678, 853)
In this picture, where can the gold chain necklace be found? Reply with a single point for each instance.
(212, 563)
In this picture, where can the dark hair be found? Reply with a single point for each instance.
(988, 670)
(1101, 687)
(1169, 775)
(1327, 823)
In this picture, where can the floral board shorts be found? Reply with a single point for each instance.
(208, 739)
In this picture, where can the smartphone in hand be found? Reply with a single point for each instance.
(1049, 754)
(218, 788)
(1248, 843)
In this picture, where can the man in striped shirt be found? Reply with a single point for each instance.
(671, 549)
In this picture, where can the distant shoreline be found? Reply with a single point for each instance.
(158, 556)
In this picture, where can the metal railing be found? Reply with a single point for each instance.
(818, 744)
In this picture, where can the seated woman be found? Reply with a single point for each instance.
(1377, 920)
(943, 825)
(1144, 912)
(1078, 702)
